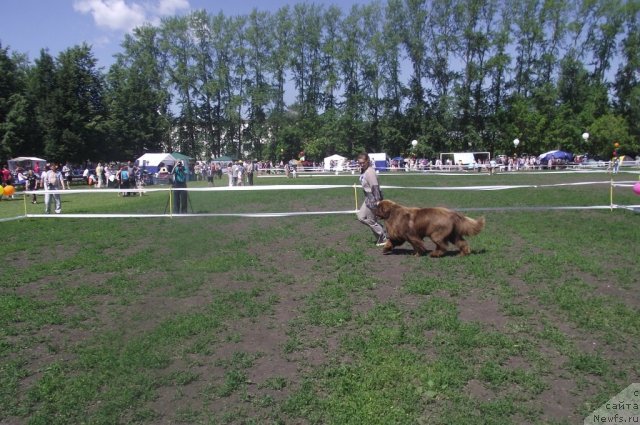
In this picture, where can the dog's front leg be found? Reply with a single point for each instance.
(388, 247)
(418, 245)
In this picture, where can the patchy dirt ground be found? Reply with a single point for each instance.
(273, 352)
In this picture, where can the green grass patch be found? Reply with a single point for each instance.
(302, 320)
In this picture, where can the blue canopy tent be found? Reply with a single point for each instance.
(557, 154)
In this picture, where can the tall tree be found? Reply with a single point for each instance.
(352, 66)
(306, 56)
(528, 36)
(137, 98)
(41, 90)
(329, 62)
(259, 49)
(204, 88)
(627, 79)
(177, 44)
(278, 63)
(475, 20)
(79, 113)
(9, 93)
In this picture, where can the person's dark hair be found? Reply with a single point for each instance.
(364, 156)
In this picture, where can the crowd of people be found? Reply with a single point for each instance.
(499, 163)
(54, 177)
(128, 175)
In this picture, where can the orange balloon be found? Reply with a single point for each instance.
(616, 144)
(9, 190)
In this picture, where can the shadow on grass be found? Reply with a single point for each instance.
(410, 251)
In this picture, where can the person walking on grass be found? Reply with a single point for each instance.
(372, 195)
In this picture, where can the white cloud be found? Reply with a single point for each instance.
(125, 15)
(170, 7)
(102, 41)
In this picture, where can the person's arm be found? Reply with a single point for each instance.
(375, 195)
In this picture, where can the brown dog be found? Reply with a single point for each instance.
(442, 225)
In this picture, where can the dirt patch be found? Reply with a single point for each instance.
(478, 391)
(471, 308)
(560, 401)
(612, 291)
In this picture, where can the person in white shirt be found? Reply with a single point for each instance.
(66, 176)
(52, 180)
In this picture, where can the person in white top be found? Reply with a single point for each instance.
(52, 180)
(372, 195)
(66, 176)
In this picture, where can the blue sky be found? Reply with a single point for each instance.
(27, 26)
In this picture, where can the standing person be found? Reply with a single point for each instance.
(230, 173)
(250, 170)
(240, 174)
(372, 194)
(209, 171)
(132, 176)
(99, 175)
(123, 179)
(180, 197)
(7, 178)
(52, 180)
(32, 184)
(66, 174)
(106, 171)
(234, 174)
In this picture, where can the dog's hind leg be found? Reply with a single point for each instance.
(441, 242)
(463, 246)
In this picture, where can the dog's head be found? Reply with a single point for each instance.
(384, 208)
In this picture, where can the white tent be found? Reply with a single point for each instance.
(26, 163)
(152, 161)
(338, 164)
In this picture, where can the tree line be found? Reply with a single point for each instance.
(456, 75)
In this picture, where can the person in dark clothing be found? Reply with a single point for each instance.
(32, 184)
(180, 198)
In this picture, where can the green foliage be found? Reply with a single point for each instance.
(607, 130)
(454, 75)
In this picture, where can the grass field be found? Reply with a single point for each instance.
(230, 320)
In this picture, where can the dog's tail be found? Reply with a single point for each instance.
(469, 227)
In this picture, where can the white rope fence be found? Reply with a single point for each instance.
(355, 188)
